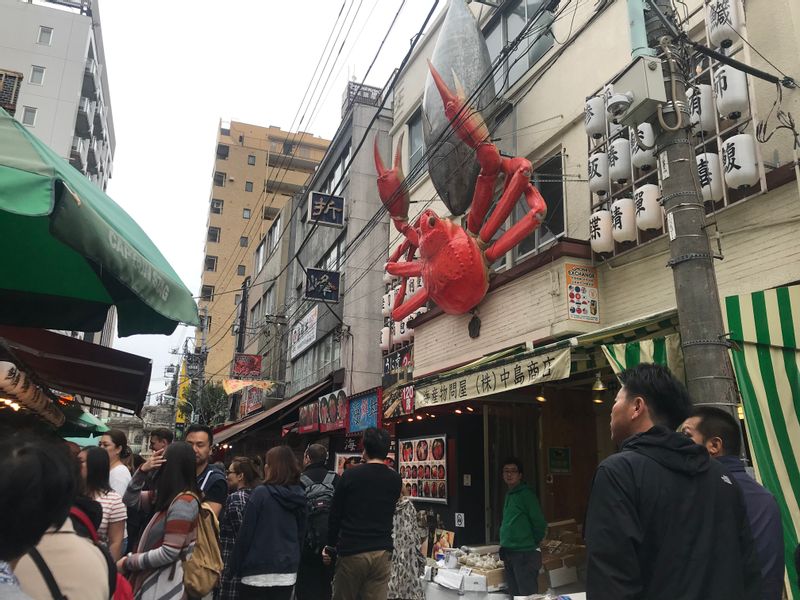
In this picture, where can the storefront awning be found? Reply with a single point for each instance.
(260, 418)
(77, 367)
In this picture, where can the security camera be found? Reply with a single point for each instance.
(618, 104)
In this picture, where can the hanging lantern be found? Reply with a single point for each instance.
(701, 102)
(600, 237)
(710, 175)
(730, 87)
(739, 161)
(420, 283)
(643, 159)
(386, 309)
(399, 332)
(619, 160)
(595, 117)
(387, 278)
(385, 339)
(411, 286)
(724, 22)
(421, 310)
(623, 220)
(598, 173)
(409, 330)
(648, 210)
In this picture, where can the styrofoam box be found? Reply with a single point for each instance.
(563, 576)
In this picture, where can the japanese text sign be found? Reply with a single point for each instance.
(583, 298)
(364, 411)
(326, 209)
(550, 366)
(247, 366)
(303, 333)
(322, 285)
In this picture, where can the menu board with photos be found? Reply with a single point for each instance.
(423, 467)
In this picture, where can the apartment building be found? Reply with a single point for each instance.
(256, 172)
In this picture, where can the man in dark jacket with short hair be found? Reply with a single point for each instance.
(314, 578)
(664, 520)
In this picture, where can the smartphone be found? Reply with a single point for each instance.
(331, 551)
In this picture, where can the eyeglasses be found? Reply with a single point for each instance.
(510, 471)
(232, 472)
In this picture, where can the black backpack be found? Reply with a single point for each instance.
(319, 498)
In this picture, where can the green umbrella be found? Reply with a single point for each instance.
(69, 252)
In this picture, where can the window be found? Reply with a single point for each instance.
(211, 263)
(287, 148)
(37, 75)
(237, 299)
(243, 241)
(251, 159)
(274, 234)
(270, 212)
(246, 213)
(219, 178)
(208, 324)
(240, 270)
(216, 206)
(29, 115)
(535, 45)
(45, 36)
(416, 143)
(213, 234)
(259, 257)
(268, 301)
(547, 177)
(255, 315)
(248, 186)
(207, 292)
(225, 131)
(223, 151)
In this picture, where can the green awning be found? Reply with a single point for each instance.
(70, 252)
(664, 350)
(80, 423)
(765, 328)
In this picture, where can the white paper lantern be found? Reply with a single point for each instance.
(600, 237)
(595, 117)
(724, 21)
(710, 175)
(411, 286)
(409, 330)
(643, 159)
(421, 310)
(701, 102)
(385, 339)
(420, 283)
(598, 173)
(387, 278)
(648, 210)
(730, 87)
(619, 160)
(399, 332)
(386, 309)
(739, 161)
(623, 220)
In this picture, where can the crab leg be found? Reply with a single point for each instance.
(393, 191)
(403, 309)
(409, 268)
(522, 228)
(516, 186)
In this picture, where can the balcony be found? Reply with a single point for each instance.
(78, 153)
(84, 124)
(100, 116)
(91, 78)
(286, 181)
(93, 156)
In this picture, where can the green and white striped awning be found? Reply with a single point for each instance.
(664, 350)
(764, 328)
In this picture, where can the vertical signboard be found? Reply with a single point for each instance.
(303, 334)
(583, 298)
(364, 410)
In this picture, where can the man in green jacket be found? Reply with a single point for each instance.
(522, 529)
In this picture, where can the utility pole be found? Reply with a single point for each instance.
(709, 375)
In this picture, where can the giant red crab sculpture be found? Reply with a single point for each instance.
(454, 263)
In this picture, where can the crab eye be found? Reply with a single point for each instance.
(431, 221)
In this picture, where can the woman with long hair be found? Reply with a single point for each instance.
(115, 443)
(155, 569)
(267, 551)
(244, 474)
(407, 560)
(94, 472)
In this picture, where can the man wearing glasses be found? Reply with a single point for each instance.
(522, 529)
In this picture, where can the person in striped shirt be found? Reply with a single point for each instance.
(94, 472)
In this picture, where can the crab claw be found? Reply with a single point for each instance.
(391, 184)
(468, 123)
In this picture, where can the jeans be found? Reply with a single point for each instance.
(522, 571)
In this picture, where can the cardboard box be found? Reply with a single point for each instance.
(562, 576)
(495, 578)
(474, 583)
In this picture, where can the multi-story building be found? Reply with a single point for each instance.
(256, 172)
(489, 390)
(64, 99)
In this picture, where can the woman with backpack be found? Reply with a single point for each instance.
(156, 569)
(267, 552)
(94, 472)
(243, 475)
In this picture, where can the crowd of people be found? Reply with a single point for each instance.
(673, 514)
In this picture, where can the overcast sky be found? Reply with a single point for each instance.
(176, 67)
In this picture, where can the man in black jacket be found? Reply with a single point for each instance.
(314, 578)
(664, 520)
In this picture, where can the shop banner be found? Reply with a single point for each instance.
(346, 460)
(423, 467)
(251, 401)
(304, 333)
(583, 298)
(247, 366)
(548, 366)
(364, 411)
(398, 368)
(308, 420)
(333, 411)
(231, 386)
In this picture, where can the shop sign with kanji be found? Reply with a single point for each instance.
(322, 285)
(549, 366)
(247, 366)
(398, 373)
(326, 209)
(364, 410)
